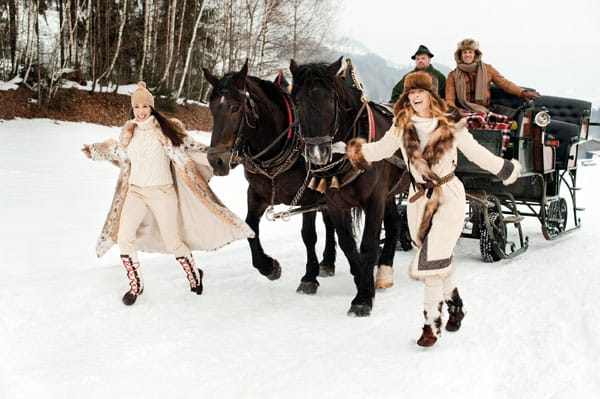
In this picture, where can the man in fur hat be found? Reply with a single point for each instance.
(422, 58)
(468, 86)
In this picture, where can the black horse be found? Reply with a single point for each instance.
(331, 113)
(254, 125)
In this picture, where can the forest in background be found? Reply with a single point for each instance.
(163, 42)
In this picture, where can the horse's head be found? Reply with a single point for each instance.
(229, 103)
(315, 91)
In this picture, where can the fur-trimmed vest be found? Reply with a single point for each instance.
(205, 223)
(436, 214)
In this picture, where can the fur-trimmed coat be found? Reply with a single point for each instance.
(204, 222)
(493, 76)
(436, 220)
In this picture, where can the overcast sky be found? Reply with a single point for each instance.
(554, 49)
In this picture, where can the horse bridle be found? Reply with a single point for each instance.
(234, 159)
(319, 140)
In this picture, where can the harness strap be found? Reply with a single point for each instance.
(429, 186)
(290, 116)
(372, 132)
(371, 123)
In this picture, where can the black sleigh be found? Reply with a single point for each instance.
(544, 137)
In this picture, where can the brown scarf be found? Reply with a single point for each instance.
(480, 85)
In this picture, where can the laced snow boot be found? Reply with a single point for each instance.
(193, 274)
(455, 311)
(432, 326)
(136, 285)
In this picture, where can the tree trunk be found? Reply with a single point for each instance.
(189, 50)
(146, 39)
(170, 43)
(108, 72)
(12, 35)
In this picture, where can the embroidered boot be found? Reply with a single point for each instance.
(136, 285)
(193, 274)
(455, 311)
(432, 327)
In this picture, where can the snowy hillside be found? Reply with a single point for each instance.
(531, 329)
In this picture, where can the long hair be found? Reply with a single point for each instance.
(170, 129)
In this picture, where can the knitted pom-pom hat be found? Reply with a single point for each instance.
(142, 96)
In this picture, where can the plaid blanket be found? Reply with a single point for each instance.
(489, 121)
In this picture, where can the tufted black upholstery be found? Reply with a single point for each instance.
(500, 97)
(567, 115)
(565, 109)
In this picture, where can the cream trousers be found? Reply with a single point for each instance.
(162, 202)
(437, 289)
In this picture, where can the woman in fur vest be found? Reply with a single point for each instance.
(429, 134)
(162, 202)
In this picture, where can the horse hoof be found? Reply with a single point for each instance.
(307, 287)
(326, 269)
(359, 311)
(384, 277)
(276, 272)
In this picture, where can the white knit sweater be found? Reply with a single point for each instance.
(150, 165)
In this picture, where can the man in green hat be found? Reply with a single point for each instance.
(422, 59)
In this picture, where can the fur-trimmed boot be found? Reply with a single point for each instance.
(136, 285)
(193, 274)
(432, 328)
(384, 277)
(455, 311)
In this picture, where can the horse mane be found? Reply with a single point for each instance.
(318, 75)
(264, 90)
(268, 89)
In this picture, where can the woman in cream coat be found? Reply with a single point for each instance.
(429, 135)
(162, 202)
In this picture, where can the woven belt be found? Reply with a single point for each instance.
(429, 186)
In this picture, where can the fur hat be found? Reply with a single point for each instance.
(422, 50)
(418, 80)
(141, 95)
(467, 44)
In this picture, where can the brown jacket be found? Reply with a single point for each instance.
(493, 76)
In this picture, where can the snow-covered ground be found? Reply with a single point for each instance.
(531, 331)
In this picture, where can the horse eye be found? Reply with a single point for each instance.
(235, 108)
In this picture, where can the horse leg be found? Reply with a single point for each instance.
(327, 265)
(391, 223)
(369, 252)
(266, 265)
(342, 219)
(309, 283)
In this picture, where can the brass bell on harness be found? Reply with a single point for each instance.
(335, 184)
(313, 183)
(322, 187)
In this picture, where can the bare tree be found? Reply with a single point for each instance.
(190, 48)
(117, 51)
